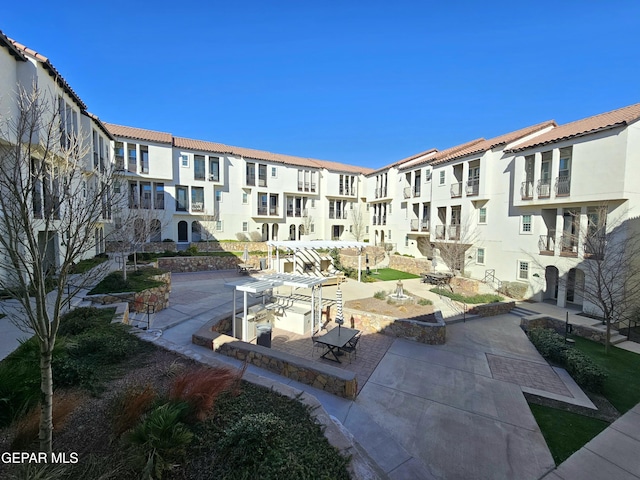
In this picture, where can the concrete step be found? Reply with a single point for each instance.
(522, 312)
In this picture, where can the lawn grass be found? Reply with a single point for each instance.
(87, 264)
(565, 432)
(385, 274)
(135, 282)
(475, 299)
(622, 386)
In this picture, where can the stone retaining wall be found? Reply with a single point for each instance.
(410, 265)
(466, 284)
(423, 332)
(158, 247)
(492, 309)
(156, 296)
(349, 257)
(334, 380)
(229, 246)
(200, 264)
(544, 321)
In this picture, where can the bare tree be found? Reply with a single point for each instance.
(208, 222)
(612, 267)
(307, 222)
(453, 250)
(136, 223)
(51, 203)
(358, 224)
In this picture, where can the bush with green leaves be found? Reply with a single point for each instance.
(584, 371)
(380, 295)
(159, 440)
(424, 302)
(473, 299)
(84, 318)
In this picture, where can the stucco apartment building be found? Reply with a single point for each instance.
(519, 202)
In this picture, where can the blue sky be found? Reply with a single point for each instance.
(365, 83)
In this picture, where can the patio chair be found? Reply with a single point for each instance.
(316, 344)
(351, 348)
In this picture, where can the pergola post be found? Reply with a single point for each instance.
(359, 264)
(313, 308)
(278, 258)
(245, 323)
(233, 314)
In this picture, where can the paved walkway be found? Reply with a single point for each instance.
(450, 411)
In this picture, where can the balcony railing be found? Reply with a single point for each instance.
(415, 224)
(381, 192)
(544, 188)
(119, 163)
(473, 187)
(262, 210)
(407, 192)
(418, 225)
(526, 190)
(375, 220)
(547, 243)
(313, 187)
(456, 190)
(454, 232)
(440, 232)
(595, 246)
(338, 215)
(197, 206)
(416, 190)
(251, 180)
(273, 211)
(132, 165)
(563, 186)
(343, 190)
(424, 225)
(262, 182)
(569, 245)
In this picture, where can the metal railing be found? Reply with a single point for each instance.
(414, 224)
(473, 187)
(547, 243)
(526, 190)
(569, 245)
(440, 232)
(407, 192)
(491, 280)
(454, 232)
(563, 185)
(544, 188)
(456, 190)
(424, 225)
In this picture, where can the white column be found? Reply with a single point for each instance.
(313, 308)
(278, 259)
(233, 314)
(359, 264)
(245, 323)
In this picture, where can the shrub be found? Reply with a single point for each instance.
(424, 302)
(380, 295)
(128, 408)
(27, 428)
(242, 237)
(584, 371)
(84, 318)
(168, 240)
(474, 299)
(159, 440)
(255, 236)
(200, 387)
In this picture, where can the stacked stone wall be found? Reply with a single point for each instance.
(543, 321)
(204, 263)
(410, 265)
(492, 309)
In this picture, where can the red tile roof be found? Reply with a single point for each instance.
(100, 124)
(7, 43)
(52, 71)
(603, 121)
(139, 133)
(445, 155)
(201, 145)
(405, 160)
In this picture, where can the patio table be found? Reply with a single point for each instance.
(335, 339)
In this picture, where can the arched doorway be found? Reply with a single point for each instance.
(183, 234)
(265, 232)
(292, 232)
(551, 277)
(102, 247)
(155, 230)
(300, 231)
(274, 231)
(196, 231)
(381, 237)
(575, 286)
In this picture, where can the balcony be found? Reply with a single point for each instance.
(418, 225)
(214, 177)
(547, 243)
(313, 187)
(544, 188)
(415, 224)
(454, 232)
(381, 192)
(526, 190)
(197, 206)
(595, 246)
(262, 182)
(132, 165)
(343, 190)
(456, 190)
(251, 180)
(119, 164)
(424, 225)
(339, 215)
(263, 211)
(568, 245)
(375, 220)
(273, 211)
(473, 187)
(416, 191)
(440, 232)
(407, 192)
(563, 186)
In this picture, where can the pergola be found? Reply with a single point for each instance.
(295, 245)
(269, 282)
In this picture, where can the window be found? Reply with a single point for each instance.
(198, 167)
(214, 169)
(182, 204)
(523, 270)
(389, 209)
(245, 198)
(482, 215)
(350, 228)
(218, 195)
(525, 226)
(406, 240)
(219, 226)
(251, 174)
(274, 172)
(144, 159)
(159, 201)
(442, 177)
(145, 195)
(262, 175)
(389, 235)
(197, 199)
(132, 162)
(480, 256)
(119, 151)
(313, 228)
(366, 229)
(184, 160)
(245, 226)
(313, 203)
